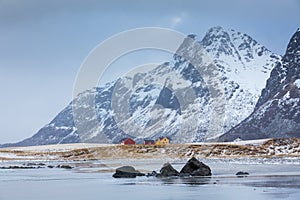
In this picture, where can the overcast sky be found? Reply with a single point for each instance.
(43, 43)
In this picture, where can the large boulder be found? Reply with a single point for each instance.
(242, 174)
(127, 172)
(195, 168)
(168, 170)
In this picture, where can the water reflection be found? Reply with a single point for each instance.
(186, 180)
(282, 181)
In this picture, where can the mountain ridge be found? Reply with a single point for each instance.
(277, 111)
(235, 57)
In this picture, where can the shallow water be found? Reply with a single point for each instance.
(269, 179)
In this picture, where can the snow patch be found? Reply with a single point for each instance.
(297, 83)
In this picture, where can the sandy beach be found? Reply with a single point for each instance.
(84, 171)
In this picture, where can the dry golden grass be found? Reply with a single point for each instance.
(271, 148)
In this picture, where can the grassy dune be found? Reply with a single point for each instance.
(262, 148)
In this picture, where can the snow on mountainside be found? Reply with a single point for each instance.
(277, 113)
(172, 99)
(245, 66)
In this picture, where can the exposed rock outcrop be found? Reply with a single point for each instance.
(195, 168)
(168, 170)
(127, 172)
(242, 174)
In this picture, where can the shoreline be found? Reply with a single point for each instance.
(267, 148)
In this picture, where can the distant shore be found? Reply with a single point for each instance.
(84, 151)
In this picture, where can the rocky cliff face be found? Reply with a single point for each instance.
(277, 112)
(175, 99)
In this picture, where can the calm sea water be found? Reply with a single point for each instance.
(269, 179)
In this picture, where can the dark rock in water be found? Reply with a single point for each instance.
(18, 167)
(34, 164)
(25, 166)
(127, 172)
(167, 170)
(50, 166)
(153, 173)
(64, 166)
(195, 168)
(242, 174)
(41, 164)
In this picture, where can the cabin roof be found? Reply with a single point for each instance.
(161, 138)
(148, 140)
(124, 139)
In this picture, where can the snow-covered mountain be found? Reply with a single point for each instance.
(244, 65)
(174, 99)
(277, 112)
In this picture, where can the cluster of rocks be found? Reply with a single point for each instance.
(35, 166)
(19, 167)
(192, 168)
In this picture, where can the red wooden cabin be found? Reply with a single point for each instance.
(128, 141)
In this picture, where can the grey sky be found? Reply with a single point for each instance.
(43, 43)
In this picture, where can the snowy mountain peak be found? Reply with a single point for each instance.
(234, 43)
(284, 72)
(240, 58)
(172, 99)
(293, 49)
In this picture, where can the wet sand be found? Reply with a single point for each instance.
(268, 179)
(273, 167)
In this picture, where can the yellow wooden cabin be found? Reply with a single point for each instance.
(162, 141)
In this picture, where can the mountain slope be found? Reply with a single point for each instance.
(277, 112)
(173, 99)
(245, 66)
